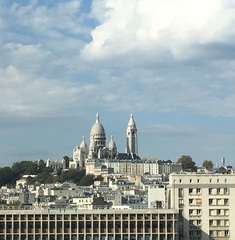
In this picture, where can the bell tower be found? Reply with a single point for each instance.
(131, 136)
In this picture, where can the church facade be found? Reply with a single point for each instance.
(101, 158)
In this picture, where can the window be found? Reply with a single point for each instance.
(210, 223)
(226, 222)
(190, 211)
(212, 212)
(226, 233)
(181, 203)
(181, 192)
(226, 212)
(212, 233)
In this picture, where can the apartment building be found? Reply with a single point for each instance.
(205, 203)
(109, 224)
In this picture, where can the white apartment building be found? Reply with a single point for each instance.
(156, 196)
(205, 203)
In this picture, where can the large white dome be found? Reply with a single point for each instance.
(97, 129)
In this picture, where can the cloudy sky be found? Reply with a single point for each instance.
(169, 62)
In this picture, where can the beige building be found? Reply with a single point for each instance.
(131, 167)
(205, 203)
(108, 224)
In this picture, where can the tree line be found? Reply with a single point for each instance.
(9, 175)
(188, 164)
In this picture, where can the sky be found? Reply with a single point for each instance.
(169, 62)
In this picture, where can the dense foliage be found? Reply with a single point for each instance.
(208, 164)
(9, 175)
(187, 163)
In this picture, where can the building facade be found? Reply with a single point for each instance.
(88, 225)
(205, 203)
(80, 154)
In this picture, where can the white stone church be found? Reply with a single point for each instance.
(101, 158)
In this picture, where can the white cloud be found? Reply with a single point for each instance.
(62, 16)
(28, 95)
(178, 88)
(44, 52)
(39, 47)
(159, 26)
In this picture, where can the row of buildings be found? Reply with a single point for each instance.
(188, 206)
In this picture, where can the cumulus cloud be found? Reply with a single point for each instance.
(181, 52)
(28, 95)
(164, 27)
(39, 45)
(62, 16)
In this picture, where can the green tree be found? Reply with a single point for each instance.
(208, 164)
(25, 168)
(187, 163)
(72, 175)
(87, 180)
(99, 178)
(7, 176)
(41, 165)
(45, 176)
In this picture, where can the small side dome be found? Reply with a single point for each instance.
(83, 145)
(112, 144)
